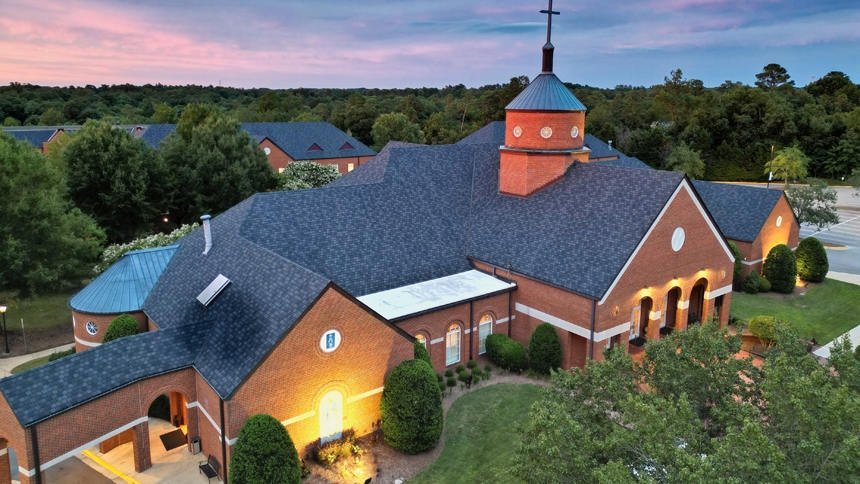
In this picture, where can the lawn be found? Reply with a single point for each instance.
(825, 312)
(480, 438)
(30, 364)
(40, 312)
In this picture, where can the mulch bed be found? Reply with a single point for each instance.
(38, 339)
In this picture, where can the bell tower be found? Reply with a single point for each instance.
(544, 129)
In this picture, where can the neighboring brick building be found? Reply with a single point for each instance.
(293, 305)
(284, 143)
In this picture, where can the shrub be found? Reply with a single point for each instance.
(160, 408)
(330, 452)
(487, 372)
(442, 386)
(857, 352)
(264, 453)
(738, 263)
(439, 377)
(421, 353)
(780, 268)
(471, 364)
(451, 383)
(752, 283)
(61, 354)
(464, 377)
(459, 369)
(763, 285)
(812, 265)
(411, 407)
(124, 325)
(505, 352)
(544, 349)
(477, 372)
(113, 253)
(764, 328)
(449, 373)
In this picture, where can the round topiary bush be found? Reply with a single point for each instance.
(544, 349)
(421, 353)
(812, 265)
(124, 325)
(738, 263)
(780, 268)
(459, 369)
(763, 285)
(449, 373)
(471, 364)
(411, 408)
(752, 283)
(264, 453)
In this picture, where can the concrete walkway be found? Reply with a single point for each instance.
(844, 277)
(7, 364)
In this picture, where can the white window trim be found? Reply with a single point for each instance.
(459, 333)
(490, 325)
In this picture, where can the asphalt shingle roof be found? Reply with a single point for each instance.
(546, 93)
(739, 211)
(124, 286)
(34, 136)
(293, 138)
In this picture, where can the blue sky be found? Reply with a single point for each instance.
(378, 43)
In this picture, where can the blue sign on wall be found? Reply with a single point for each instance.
(329, 341)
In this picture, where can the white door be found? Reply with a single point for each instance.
(331, 416)
(634, 324)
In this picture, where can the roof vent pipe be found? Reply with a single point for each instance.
(207, 233)
(610, 144)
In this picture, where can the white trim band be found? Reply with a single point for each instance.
(654, 315)
(298, 418)
(437, 340)
(3, 451)
(573, 328)
(684, 304)
(608, 333)
(206, 414)
(505, 320)
(718, 292)
(360, 396)
(86, 343)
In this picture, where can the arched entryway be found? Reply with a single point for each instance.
(671, 310)
(697, 302)
(640, 322)
(331, 416)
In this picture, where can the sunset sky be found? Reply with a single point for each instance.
(379, 43)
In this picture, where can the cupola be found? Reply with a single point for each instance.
(545, 126)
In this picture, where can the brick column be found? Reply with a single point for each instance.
(683, 315)
(140, 447)
(724, 317)
(193, 428)
(5, 469)
(654, 326)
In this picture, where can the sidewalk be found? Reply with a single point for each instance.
(7, 364)
(845, 277)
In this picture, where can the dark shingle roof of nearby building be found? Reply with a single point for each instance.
(492, 133)
(623, 162)
(739, 211)
(599, 149)
(36, 136)
(295, 139)
(546, 93)
(47, 390)
(124, 286)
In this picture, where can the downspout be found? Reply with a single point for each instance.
(510, 312)
(591, 347)
(223, 440)
(471, 328)
(36, 464)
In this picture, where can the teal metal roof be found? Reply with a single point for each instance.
(125, 285)
(546, 93)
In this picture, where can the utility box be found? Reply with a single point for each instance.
(195, 445)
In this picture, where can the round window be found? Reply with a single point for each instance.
(678, 238)
(779, 221)
(546, 132)
(574, 132)
(518, 131)
(330, 340)
(92, 328)
(267, 151)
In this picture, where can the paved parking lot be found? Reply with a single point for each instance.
(846, 233)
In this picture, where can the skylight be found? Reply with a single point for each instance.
(213, 290)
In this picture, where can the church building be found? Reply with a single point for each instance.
(286, 304)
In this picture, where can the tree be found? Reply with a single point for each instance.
(115, 178)
(764, 328)
(45, 243)
(163, 113)
(773, 75)
(420, 353)
(752, 283)
(411, 407)
(780, 268)
(360, 116)
(438, 130)
(264, 453)
(814, 204)
(686, 160)
(395, 127)
(736, 252)
(812, 265)
(544, 349)
(313, 174)
(789, 163)
(214, 164)
(52, 117)
(122, 326)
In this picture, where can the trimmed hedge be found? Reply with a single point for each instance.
(780, 268)
(421, 353)
(738, 263)
(264, 453)
(763, 285)
(812, 265)
(124, 325)
(752, 283)
(507, 353)
(544, 349)
(411, 407)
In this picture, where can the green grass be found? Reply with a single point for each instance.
(825, 312)
(480, 438)
(30, 364)
(40, 312)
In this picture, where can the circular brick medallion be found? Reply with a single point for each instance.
(722, 274)
(574, 132)
(779, 221)
(678, 238)
(267, 151)
(518, 131)
(545, 132)
(616, 310)
(92, 328)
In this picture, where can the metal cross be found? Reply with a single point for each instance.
(549, 13)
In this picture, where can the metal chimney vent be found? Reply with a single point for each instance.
(213, 290)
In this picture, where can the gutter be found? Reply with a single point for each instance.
(591, 342)
(223, 440)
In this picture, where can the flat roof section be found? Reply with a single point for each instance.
(401, 302)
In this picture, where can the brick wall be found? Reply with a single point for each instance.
(80, 321)
(531, 123)
(12, 435)
(293, 378)
(788, 232)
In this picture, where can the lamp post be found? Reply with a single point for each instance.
(5, 335)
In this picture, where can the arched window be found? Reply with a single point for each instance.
(421, 339)
(452, 345)
(485, 328)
